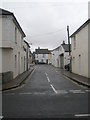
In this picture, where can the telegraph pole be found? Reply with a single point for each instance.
(69, 46)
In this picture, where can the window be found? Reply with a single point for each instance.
(37, 55)
(15, 35)
(43, 55)
(21, 41)
(74, 42)
(15, 61)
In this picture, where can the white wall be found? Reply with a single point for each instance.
(81, 49)
(10, 48)
(66, 55)
(55, 58)
(40, 57)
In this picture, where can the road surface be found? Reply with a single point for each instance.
(46, 94)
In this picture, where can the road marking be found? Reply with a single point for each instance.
(87, 90)
(1, 117)
(62, 91)
(34, 93)
(25, 93)
(39, 93)
(82, 115)
(53, 88)
(47, 77)
(76, 91)
(9, 94)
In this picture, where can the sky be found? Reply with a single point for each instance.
(45, 21)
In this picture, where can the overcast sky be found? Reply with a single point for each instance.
(45, 21)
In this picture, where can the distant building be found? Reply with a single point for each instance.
(80, 42)
(42, 56)
(55, 57)
(64, 55)
(11, 46)
(60, 56)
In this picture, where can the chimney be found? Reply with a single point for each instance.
(38, 47)
(63, 43)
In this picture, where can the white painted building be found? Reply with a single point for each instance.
(80, 41)
(64, 55)
(11, 46)
(60, 56)
(55, 57)
(27, 55)
(41, 56)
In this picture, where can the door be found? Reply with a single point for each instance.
(18, 62)
(79, 64)
(62, 61)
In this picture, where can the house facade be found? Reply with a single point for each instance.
(26, 55)
(64, 55)
(60, 56)
(11, 46)
(55, 57)
(41, 56)
(80, 41)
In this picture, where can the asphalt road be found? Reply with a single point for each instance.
(46, 94)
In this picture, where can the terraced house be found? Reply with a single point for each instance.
(80, 40)
(42, 56)
(12, 55)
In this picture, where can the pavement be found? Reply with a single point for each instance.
(18, 80)
(77, 78)
(21, 78)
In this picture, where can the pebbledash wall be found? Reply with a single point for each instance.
(11, 47)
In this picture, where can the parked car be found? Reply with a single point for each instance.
(67, 67)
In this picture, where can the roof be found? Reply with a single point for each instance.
(66, 47)
(81, 27)
(42, 51)
(5, 12)
(56, 49)
(27, 43)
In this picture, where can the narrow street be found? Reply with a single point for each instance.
(46, 94)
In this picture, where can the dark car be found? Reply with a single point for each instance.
(67, 67)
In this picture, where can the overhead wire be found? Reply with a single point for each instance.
(48, 33)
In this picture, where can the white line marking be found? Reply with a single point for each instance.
(25, 93)
(53, 88)
(1, 117)
(47, 77)
(62, 91)
(9, 94)
(76, 91)
(34, 93)
(39, 93)
(82, 115)
(87, 90)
